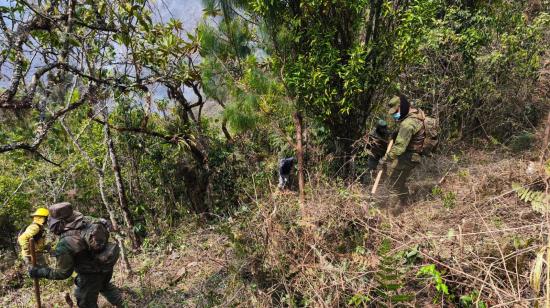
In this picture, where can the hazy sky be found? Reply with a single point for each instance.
(188, 11)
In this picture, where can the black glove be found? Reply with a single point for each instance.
(48, 247)
(33, 272)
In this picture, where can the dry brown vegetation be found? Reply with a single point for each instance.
(473, 228)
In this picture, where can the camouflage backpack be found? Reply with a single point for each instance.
(431, 135)
(96, 235)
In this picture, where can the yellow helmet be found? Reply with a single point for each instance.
(41, 212)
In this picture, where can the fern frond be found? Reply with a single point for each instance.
(389, 278)
(539, 200)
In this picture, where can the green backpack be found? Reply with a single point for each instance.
(431, 135)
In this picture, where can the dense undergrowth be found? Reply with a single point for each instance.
(175, 135)
(468, 241)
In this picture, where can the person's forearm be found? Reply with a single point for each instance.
(396, 150)
(65, 267)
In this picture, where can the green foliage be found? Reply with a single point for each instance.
(523, 141)
(338, 60)
(448, 198)
(412, 255)
(359, 300)
(327, 68)
(484, 59)
(472, 300)
(389, 278)
(236, 75)
(431, 272)
(540, 201)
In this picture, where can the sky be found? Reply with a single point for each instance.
(188, 11)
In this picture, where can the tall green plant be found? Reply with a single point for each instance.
(389, 278)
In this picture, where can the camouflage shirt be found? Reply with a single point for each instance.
(72, 254)
(409, 136)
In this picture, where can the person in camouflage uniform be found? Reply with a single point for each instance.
(407, 148)
(72, 253)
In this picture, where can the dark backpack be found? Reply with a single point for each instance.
(431, 135)
(96, 236)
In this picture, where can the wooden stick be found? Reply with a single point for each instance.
(36, 282)
(379, 176)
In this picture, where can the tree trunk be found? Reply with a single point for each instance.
(123, 201)
(298, 121)
(226, 131)
(112, 218)
(196, 179)
(101, 178)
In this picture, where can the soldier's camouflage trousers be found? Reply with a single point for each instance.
(397, 181)
(88, 287)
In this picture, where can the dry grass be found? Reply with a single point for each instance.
(482, 240)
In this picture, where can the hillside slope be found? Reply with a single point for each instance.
(344, 250)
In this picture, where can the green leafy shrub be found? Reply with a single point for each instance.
(431, 272)
(471, 300)
(522, 142)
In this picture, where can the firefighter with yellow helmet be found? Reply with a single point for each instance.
(37, 231)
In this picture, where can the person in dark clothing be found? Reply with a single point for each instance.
(285, 167)
(73, 254)
(377, 144)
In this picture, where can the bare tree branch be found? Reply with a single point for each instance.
(173, 139)
(43, 128)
